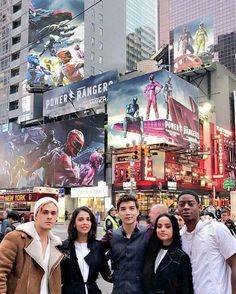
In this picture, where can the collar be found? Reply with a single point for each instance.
(136, 229)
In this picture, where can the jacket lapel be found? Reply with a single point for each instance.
(33, 250)
(166, 260)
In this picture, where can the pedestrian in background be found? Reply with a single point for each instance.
(29, 255)
(210, 246)
(5, 223)
(84, 257)
(110, 223)
(13, 220)
(180, 220)
(167, 267)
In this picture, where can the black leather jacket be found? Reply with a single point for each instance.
(173, 275)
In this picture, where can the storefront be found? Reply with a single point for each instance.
(148, 198)
(96, 198)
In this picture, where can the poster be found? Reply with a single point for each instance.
(154, 108)
(56, 43)
(61, 154)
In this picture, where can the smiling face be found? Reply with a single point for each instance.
(83, 223)
(46, 216)
(164, 230)
(128, 212)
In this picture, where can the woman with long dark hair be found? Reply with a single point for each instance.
(167, 267)
(84, 257)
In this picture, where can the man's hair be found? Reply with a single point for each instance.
(189, 192)
(127, 198)
(13, 215)
(224, 211)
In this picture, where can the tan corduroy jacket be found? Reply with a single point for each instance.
(21, 262)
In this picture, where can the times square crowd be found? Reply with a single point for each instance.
(182, 251)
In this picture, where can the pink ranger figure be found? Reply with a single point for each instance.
(150, 93)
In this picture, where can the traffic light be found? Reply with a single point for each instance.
(127, 174)
(137, 153)
(147, 151)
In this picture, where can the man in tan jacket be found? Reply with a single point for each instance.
(29, 258)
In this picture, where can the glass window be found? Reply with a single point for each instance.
(100, 31)
(93, 27)
(100, 59)
(92, 41)
(100, 46)
(92, 56)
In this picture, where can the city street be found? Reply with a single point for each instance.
(61, 231)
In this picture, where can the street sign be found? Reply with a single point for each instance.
(229, 183)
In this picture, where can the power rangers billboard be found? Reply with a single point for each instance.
(154, 108)
(61, 154)
(56, 42)
(89, 93)
(193, 44)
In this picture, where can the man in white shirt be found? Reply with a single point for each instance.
(30, 261)
(211, 248)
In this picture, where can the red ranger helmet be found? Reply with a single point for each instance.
(75, 142)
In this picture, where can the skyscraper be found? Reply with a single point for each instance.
(118, 34)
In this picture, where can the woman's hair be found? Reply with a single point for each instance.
(155, 245)
(72, 231)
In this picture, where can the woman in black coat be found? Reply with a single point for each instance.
(167, 268)
(84, 257)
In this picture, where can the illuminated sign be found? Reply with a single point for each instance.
(21, 197)
(172, 185)
(86, 192)
(219, 157)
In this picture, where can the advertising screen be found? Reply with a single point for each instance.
(153, 108)
(61, 154)
(56, 42)
(89, 93)
(193, 44)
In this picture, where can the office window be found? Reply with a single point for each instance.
(93, 27)
(92, 41)
(15, 72)
(100, 31)
(100, 46)
(5, 47)
(14, 88)
(15, 56)
(16, 23)
(13, 105)
(16, 7)
(100, 59)
(15, 40)
(13, 120)
(100, 17)
(92, 56)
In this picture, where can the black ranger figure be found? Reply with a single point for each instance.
(132, 116)
(168, 92)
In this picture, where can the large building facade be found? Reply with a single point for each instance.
(118, 34)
